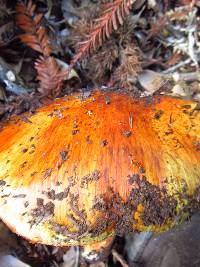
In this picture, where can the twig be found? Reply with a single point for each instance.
(76, 264)
(177, 66)
(192, 28)
(177, 76)
(119, 258)
(189, 76)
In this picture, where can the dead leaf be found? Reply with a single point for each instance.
(10, 261)
(151, 81)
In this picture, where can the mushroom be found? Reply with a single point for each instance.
(81, 170)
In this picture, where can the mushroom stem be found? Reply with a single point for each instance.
(97, 251)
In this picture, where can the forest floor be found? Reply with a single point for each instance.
(50, 48)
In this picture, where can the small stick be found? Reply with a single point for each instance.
(119, 258)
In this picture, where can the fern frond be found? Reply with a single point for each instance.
(49, 75)
(35, 34)
(112, 17)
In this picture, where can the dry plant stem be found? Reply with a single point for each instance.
(77, 260)
(119, 258)
(177, 76)
(192, 29)
(177, 66)
(190, 76)
(111, 19)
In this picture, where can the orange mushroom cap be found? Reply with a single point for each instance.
(82, 169)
